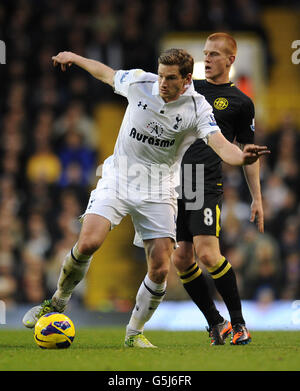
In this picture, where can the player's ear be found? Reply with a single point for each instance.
(230, 60)
(188, 78)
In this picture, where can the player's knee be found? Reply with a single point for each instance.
(159, 268)
(88, 245)
(158, 274)
(208, 251)
(159, 257)
(208, 257)
(182, 260)
(93, 233)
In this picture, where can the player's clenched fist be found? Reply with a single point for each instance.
(64, 59)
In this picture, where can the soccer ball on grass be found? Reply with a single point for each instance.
(54, 331)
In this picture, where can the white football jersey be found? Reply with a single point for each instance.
(153, 137)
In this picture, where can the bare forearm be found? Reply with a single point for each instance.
(228, 152)
(95, 68)
(232, 154)
(252, 176)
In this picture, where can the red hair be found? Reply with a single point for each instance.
(230, 43)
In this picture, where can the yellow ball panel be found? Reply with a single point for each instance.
(54, 331)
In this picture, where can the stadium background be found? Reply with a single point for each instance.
(56, 128)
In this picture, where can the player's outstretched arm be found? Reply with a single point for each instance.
(232, 154)
(95, 68)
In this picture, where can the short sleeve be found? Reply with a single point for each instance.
(123, 79)
(246, 123)
(205, 123)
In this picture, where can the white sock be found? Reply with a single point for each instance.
(149, 296)
(73, 270)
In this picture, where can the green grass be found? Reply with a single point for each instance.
(102, 350)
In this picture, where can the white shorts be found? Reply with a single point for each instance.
(151, 220)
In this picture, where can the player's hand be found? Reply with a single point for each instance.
(257, 215)
(65, 59)
(253, 152)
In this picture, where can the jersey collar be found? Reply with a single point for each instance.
(229, 84)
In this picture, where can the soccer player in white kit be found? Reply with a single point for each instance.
(163, 117)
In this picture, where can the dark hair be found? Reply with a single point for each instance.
(178, 57)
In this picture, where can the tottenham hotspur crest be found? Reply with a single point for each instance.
(178, 121)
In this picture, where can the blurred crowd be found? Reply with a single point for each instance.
(49, 140)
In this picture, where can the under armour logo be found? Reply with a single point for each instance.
(178, 120)
(141, 105)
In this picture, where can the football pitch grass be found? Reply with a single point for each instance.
(101, 349)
